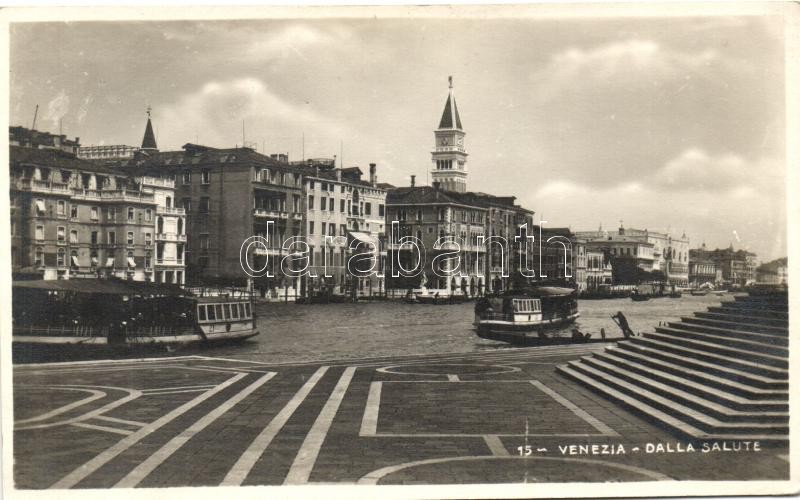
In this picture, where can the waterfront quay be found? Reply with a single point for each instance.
(242, 416)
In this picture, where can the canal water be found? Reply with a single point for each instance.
(299, 333)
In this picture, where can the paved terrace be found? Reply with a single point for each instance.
(202, 421)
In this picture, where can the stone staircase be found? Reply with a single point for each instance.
(718, 375)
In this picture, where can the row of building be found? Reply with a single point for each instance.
(182, 217)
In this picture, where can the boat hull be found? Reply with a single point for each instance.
(527, 333)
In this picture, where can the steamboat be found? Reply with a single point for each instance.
(528, 317)
(117, 315)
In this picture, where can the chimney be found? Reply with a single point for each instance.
(413, 179)
(373, 179)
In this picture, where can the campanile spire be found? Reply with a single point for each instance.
(449, 156)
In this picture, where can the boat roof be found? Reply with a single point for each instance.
(103, 287)
(541, 291)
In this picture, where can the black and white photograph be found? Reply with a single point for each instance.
(444, 251)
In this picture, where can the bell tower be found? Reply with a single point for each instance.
(448, 155)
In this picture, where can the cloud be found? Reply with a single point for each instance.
(57, 108)
(696, 170)
(215, 111)
(287, 42)
(622, 110)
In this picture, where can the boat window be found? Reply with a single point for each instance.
(227, 309)
(537, 305)
(211, 314)
(220, 314)
(234, 311)
(201, 312)
(247, 309)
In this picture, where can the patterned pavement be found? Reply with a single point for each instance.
(490, 417)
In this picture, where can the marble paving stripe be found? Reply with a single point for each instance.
(103, 428)
(309, 450)
(94, 395)
(238, 473)
(142, 470)
(600, 426)
(495, 445)
(120, 420)
(109, 454)
(369, 422)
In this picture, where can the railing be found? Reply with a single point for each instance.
(170, 237)
(117, 195)
(157, 182)
(40, 186)
(170, 210)
(272, 214)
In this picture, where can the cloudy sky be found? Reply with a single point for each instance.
(665, 123)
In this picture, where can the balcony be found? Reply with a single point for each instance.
(49, 187)
(171, 237)
(260, 250)
(297, 216)
(270, 214)
(170, 211)
(158, 182)
(116, 195)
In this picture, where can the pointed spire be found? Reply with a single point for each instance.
(450, 114)
(149, 140)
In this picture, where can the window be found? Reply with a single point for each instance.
(130, 237)
(39, 232)
(112, 238)
(61, 207)
(331, 205)
(187, 204)
(61, 258)
(341, 204)
(367, 208)
(73, 236)
(94, 238)
(61, 234)
(220, 313)
(201, 312)
(296, 204)
(131, 214)
(342, 188)
(205, 177)
(381, 211)
(204, 241)
(311, 202)
(310, 184)
(148, 215)
(234, 314)
(342, 229)
(73, 211)
(38, 257)
(148, 260)
(211, 314)
(203, 208)
(332, 229)
(180, 253)
(93, 213)
(73, 259)
(311, 227)
(323, 229)
(131, 263)
(111, 213)
(148, 239)
(187, 176)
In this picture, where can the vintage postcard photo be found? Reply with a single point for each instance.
(392, 251)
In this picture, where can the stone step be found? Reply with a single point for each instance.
(778, 299)
(776, 375)
(660, 418)
(698, 419)
(677, 386)
(744, 318)
(734, 382)
(750, 312)
(740, 354)
(762, 344)
(738, 326)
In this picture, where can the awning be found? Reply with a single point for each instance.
(131, 263)
(362, 237)
(75, 261)
(40, 205)
(103, 286)
(110, 262)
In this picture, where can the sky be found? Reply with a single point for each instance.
(671, 124)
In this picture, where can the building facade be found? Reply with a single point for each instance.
(72, 218)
